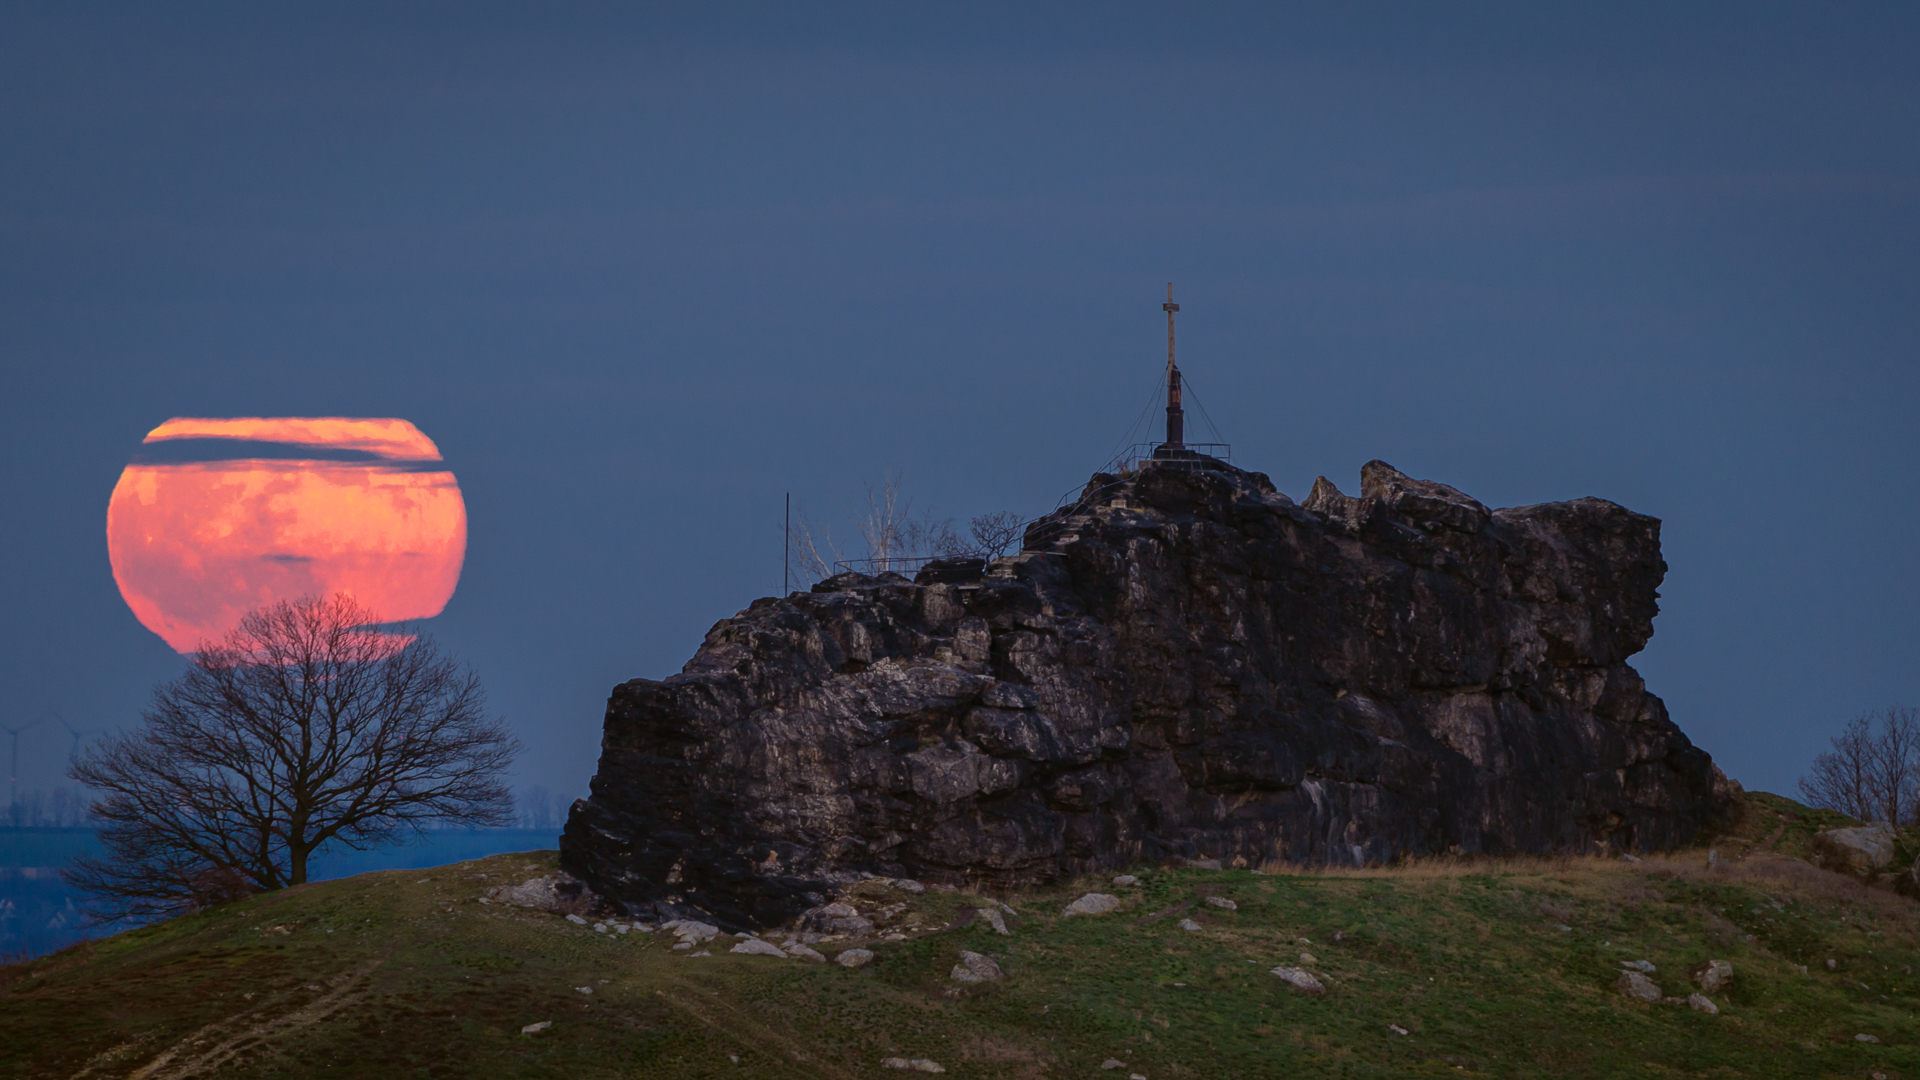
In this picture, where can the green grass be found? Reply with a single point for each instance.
(405, 973)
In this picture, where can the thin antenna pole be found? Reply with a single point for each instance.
(786, 551)
(1175, 418)
(1170, 308)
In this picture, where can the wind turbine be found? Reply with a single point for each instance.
(77, 733)
(13, 769)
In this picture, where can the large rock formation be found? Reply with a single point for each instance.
(1184, 663)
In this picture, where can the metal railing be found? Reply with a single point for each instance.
(907, 565)
(1072, 502)
(1139, 452)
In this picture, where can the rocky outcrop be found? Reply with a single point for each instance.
(1183, 664)
(1863, 850)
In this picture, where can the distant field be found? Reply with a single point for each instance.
(1496, 967)
(39, 914)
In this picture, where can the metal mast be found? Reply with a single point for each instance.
(1176, 418)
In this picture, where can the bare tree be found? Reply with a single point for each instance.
(813, 549)
(307, 726)
(541, 809)
(886, 526)
(893, 535)
(994, 533)
(1873, 771)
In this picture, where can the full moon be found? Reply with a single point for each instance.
(213, 518)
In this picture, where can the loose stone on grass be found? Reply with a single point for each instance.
(756, 947)
(913, 1065)
(1644, 967)
(975, 968)
(1093, 904)
(1637, 986)
(1190, 925)
(1301, 980)
(853, 958)
(1223, 903)
(1713, 976)
(996, 920)
(1865, 1039)
(801, 951)
(691, 931)
(1113, 1063)
(1702, 1003)
(1126, 879)
(535, 1029)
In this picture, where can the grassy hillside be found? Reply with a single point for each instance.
(1493, 968)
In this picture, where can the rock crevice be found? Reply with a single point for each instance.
(1184, 663)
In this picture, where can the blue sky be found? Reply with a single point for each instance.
(640, 271)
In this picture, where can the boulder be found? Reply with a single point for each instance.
(561, 894)
(975, 968)
(1637, 986)
(1183, 662)
(1700, 1003)
(756, 947)
(1299, 979)
(690, 931)
(1093, 904)
(853, 958)
(1712, 976)
(838, 918)
(1860, 850)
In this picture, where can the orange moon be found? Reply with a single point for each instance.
(216, 517)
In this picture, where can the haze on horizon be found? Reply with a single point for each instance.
(641, 272)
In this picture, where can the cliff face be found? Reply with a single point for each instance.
(1185, 663)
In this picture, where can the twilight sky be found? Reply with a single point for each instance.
(637, 271)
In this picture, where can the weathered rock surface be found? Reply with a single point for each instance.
(1712, 976)
(975, 967)
(756, 947)
(1093, 904)
(1858, 850)
(560, 894)
(1300, 980)
(1185, 664)
(1635, 985)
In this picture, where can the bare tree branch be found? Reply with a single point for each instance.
(893, 536)
(995, 533)
(306, 727)
(1872, 775)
